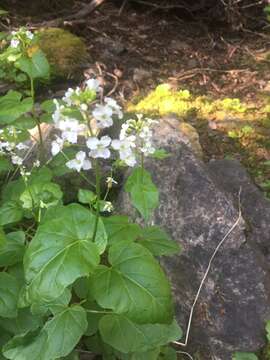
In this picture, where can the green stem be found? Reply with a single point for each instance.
(98, 193)
(98, 312)
(142, 164)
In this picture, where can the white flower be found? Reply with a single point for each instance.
(67, 97)
(70, 129)
(16, 160)
(83, 107)
(36, 163)
(14, 43)
(8, 146)
(57, 146)
(130, 160)
(103, 116)
(126, 148)
(114, 106)
(147, 148)
(80, 162)
(29, 34)
(22, 146)
(99, 147)
(93, 84)
(57, 115)
(108, 206)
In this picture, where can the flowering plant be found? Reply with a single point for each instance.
(76, 278)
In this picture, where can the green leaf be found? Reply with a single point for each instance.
(31, 345)
(25, 321)
(86, 196)
(119, 228)
(4, 338)
(57, 338)
(64, 331)
(36, 66)
(5, 165)
(92, 317)
(13, 250)
(12, 107)
(149, 355)
(48, 106)
(168, 353)
(9, 290)
(143, 192)
(10, 212)
(244, 356)
(54, 306)
(13, 190)
(62, 251)
(267, 328)
(41, 195)
(160, 154)
(134, 285)
(24, 122)
(124, 335)
(158, 241)
(3, 239)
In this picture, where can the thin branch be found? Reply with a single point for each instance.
(208, 269)
(86, 10)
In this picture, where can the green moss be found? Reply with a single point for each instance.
(66, 52)
(246, 125)
(163, 100)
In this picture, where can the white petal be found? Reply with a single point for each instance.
(87, 165)
(105, 154)
(93, 84)
(80, 156)
(116, 144)
(105, 141)
(92, 143)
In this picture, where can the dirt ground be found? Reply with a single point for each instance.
(136, 47)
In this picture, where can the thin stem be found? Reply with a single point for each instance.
(98, 311)
(98, 193)
(142, 165)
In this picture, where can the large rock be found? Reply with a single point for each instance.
(196, 210)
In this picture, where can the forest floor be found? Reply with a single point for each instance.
(225, 72)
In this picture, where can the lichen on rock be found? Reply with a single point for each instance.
(65, 51)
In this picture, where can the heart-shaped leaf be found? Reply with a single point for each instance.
(61, 251)
(126, 336)
(134, 285)
(143, 192)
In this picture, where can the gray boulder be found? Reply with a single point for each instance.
(198, 206)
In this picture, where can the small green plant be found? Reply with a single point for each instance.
(21, 59)
(245, 131)
(75, 277)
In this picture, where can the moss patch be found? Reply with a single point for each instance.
(66, 52)
(227, 127)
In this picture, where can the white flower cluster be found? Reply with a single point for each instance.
(19, 36)
(135, 136)
(11, 148)
(135, 139)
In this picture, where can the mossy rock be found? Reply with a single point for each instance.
(66, 52)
